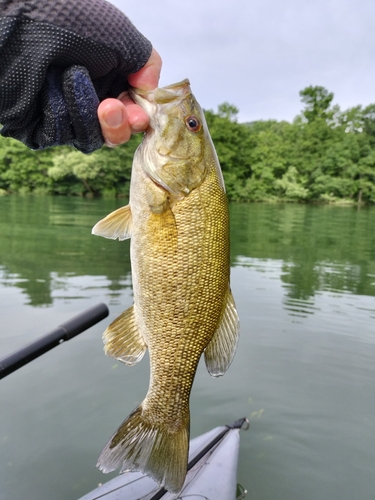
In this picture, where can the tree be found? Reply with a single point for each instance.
(231, 141)
(228, 111)
(106, 171)
(368, 116)
(23, 170)
(325, 155)
(317, 100)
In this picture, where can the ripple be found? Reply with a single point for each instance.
(300, 308)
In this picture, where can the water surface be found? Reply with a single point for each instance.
(304, 282)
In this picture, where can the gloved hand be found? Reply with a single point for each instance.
(58, 60)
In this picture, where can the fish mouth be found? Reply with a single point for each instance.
(182, 83)
(172, 92)
(161, 95)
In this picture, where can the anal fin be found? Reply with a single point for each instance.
(220, 352)
(117, 225)
(123, 340)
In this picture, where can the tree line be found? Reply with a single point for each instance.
(325, 155)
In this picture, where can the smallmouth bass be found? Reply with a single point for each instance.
(178, 222)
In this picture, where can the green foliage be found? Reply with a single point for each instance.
(231, 140)
(317, 100)
(104, 171)
(23, 170)
(66, 171)
(228, 111)
(326, 155)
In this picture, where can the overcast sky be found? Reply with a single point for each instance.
(258, 54)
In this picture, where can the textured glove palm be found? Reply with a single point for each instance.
(58, 60)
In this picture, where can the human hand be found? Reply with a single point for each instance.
(119, 118)
(85, 52)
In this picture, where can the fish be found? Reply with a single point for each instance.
(178, 222)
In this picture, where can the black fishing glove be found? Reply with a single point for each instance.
(58, 60)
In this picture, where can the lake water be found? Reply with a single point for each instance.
(304, 282)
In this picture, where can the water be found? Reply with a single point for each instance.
(304, 281)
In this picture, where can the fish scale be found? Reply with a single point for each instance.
(178, 222)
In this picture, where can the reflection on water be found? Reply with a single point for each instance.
(304, 282)
(44, 241)
(319, 248)
(310, 248)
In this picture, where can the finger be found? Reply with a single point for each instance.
(113, 118)
(119, 118)
(147, 78)
(137, 116)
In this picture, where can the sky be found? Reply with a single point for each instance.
(258, 54)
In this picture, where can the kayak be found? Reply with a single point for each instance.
(212, 472)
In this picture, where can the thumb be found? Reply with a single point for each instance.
(147, 78)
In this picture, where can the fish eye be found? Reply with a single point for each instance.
(193, 123)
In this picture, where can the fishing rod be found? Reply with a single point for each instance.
(62, 333)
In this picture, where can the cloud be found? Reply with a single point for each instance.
(258, 54)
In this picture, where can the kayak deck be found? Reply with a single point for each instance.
(212, 472)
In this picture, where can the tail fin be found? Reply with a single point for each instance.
(154, 449)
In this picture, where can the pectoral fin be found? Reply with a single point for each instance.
(221, 350)
(116, 225)
(123, 340)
